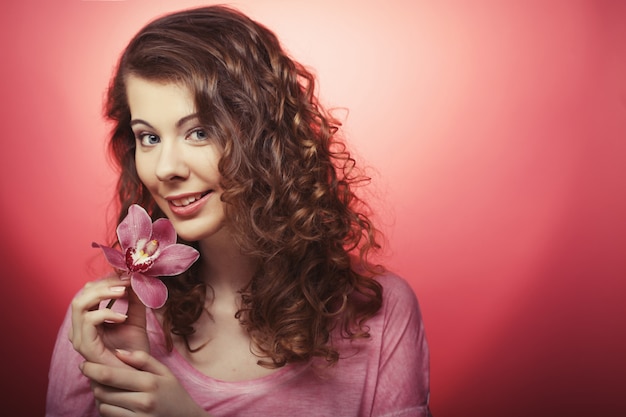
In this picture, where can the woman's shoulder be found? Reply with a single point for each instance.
(394, 286)
(400, 301)
(392, 281)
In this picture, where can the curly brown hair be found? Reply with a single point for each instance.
(288, 180)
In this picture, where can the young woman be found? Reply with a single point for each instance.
(218, 130)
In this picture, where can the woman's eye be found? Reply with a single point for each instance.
(198, 135)
(148, 139)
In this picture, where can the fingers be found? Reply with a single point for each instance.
(142, 361)
(148, 388)
(93, 293)
(114, 378)
(114, 402)
(86, 316)
(140, 378)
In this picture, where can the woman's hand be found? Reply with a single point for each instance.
(146, 389)
(96, 333)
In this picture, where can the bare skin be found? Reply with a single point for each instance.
(228, 355)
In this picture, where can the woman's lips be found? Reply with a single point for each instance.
(188, 205)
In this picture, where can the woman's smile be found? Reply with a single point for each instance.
(188, 205)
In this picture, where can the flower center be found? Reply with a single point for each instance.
(141, 257)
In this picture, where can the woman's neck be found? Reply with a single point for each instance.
(223, 266)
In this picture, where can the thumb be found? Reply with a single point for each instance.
(142, 361)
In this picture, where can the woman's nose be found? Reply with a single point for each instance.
(171, 162)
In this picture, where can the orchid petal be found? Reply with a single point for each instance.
(148, 250)
(113, 256)
(151, 291)
(163, 232)
(173, 260)
(136, 225)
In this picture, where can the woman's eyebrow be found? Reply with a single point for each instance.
(178, 123)
(139, 122)
(186, 119)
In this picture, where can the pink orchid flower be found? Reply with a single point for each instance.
(149, 250)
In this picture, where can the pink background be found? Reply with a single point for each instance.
(496, 136)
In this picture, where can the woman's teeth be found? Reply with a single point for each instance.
(181, 202)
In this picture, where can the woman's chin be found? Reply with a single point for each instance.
(194, 233)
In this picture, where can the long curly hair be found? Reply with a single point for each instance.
(288, 183)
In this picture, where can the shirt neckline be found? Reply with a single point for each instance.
(187, 371)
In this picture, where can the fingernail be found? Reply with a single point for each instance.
(117, 289)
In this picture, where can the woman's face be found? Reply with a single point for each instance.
(175, 158)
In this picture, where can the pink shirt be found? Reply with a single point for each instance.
(387, 375)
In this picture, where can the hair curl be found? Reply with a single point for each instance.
(288, 180)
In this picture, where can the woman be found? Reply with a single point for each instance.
(218, 130)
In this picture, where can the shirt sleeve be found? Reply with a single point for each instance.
(69, 393)
(403, 387)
